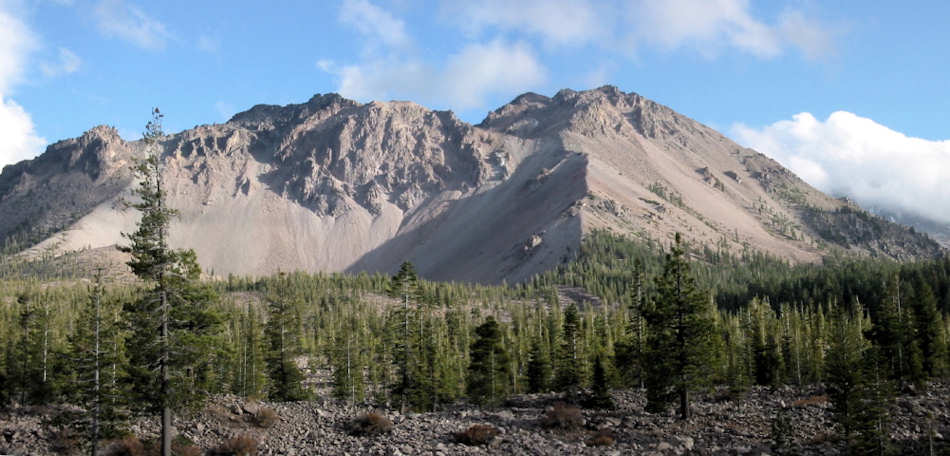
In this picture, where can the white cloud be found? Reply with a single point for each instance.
(117, 19)
(374, 22)
(18, 138)
(710, 26)
(68, 63)
(707, 25)
(855, 156)
(558, 22)
(463, 82)
(208, 44)
(480, 69)
(16, 42)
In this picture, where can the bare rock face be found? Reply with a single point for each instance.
(45, 195)
(334, 185)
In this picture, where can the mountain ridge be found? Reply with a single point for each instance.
(336, 185)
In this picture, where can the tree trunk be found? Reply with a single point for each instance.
(45, 340)
(684, 403)
(166, 410)
(405, 358)
(98, 396)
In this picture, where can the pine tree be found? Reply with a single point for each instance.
(539, 368)
(766, 350)
(94, 350)
(872, 414)
(889, 333)
(679, 331)
(929, 331)
(282, 332)
(488, 370)
(252, 377)
(172, 324)
(34, 370)
(407, 353)
(600, 397)
(348, 366)
(630, 352)
(844, 375)
(568, 374)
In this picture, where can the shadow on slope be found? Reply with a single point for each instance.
(523, 225)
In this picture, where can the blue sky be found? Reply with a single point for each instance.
(782, 77)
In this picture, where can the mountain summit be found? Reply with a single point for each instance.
(335, 185)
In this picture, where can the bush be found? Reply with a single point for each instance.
(265, 417)
(601, 438)
(813, 400)
(64, 441)
(477, 434)
(184, 450)
(132, 446)
(370, 424)
(242, 445)
(563, 416)
(129, 446)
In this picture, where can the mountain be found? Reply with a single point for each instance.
(335, 185)
(937, 229)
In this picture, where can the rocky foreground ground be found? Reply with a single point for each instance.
(721, 425)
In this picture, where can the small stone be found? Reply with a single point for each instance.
(505, 415)
(252, 408)
(687, 442)
(663, 446)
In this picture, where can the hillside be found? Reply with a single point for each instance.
(335, 185)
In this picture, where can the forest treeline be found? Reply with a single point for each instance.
(404, 342)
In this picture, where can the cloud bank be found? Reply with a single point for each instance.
(374, 22)
(708, 27)
(391, 67)
(18, 137)
(851, 155)
(498, 54)
(462, 81)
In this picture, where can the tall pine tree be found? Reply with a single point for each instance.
(284, 344)
(172, 324)
(408, 388)
(568, 375)
(679, 331)
(95, 349)
(488, 370)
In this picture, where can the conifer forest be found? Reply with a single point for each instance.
(671, 321)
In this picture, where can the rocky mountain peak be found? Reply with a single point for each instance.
(333, 184)
(380, 151)
(270, 116)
